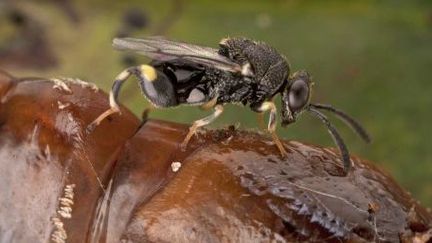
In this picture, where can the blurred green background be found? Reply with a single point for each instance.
(372, 59)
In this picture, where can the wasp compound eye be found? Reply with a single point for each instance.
(298, 95)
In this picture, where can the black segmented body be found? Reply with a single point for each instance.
(240, 71)
(270, 73)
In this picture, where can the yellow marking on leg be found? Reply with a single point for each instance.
(149, 72)
(279, 144)
(192, 131)
(199, 123)
(268, 105)
(123, 75)
(100, 118)
(114, 108)
(113, 104)
(209, 104)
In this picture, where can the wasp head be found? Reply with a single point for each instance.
(296, 99)
(296, 96)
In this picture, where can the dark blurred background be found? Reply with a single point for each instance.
(372, 59)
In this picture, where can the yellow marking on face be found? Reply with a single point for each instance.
(149, 72)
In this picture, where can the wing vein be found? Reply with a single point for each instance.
(165, 50)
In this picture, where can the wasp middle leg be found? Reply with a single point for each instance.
(202, 122)
(270, 106)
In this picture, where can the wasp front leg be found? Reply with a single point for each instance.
(154, 84)
(270, 106)
(200, 123)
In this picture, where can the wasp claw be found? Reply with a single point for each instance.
(282, 150)
(184, 144)
(90, 128)
(183, 147)
(279, 145)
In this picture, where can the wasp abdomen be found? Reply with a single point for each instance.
(159, 91)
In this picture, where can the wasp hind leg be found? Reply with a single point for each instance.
(270, 106)
(200, 123)
(113, 97)
(155, 86)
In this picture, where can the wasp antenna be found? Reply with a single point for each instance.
(336, 138)
(351, 122)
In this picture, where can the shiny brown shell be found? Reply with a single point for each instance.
(129, 181)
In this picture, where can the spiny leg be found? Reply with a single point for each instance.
(143, 72)
(202, 122)
(268, 105)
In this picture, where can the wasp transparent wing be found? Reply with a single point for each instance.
(165, 50)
